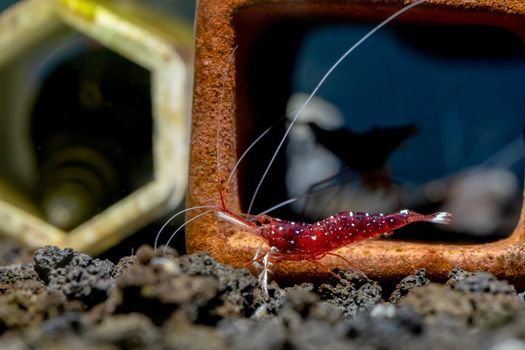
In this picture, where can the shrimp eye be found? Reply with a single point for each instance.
(256, 221)
(262, 220)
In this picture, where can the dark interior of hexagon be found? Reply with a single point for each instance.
(424, 117)
(78, 129)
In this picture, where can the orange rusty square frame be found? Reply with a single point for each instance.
(217, 101)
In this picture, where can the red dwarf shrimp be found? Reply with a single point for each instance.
(298, 241)
(311, 242)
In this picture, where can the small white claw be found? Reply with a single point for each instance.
(263, 276)
(263, 282)
(255, 258)
(264, 270)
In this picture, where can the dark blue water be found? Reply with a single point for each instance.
(463, 88)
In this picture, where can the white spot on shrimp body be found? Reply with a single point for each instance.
(314, 238)
(404, 212)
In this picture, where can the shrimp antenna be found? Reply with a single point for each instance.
(293, 199)
(182, 226)
(277, 206)
(318, 86)
(218, 172)
(174, 216)
(247, 150)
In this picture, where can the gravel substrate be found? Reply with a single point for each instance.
(62, 299)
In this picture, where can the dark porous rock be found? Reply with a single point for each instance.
(393, 331)
(229, 278)
(238, 288)
(70, 343)
(299, 324)
(268, 305)
(123, 264)
(187, 336)
(353, 292)
(318, 334)
(265, 334)
(452, 307)
(325, 311)
(300, 299)
(76, 275)
(478, 282)
(132, 331)
(521, 297)
(28, 303)
(408, 283)
(49, 258)
(15, 273)
(69, 321)
(156, 286)
(153, 300)
(437, 304)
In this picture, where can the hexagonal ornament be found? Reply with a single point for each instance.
(156, 43)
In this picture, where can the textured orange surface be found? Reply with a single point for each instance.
(218, 101)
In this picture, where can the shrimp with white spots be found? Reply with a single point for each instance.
(299, 241)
